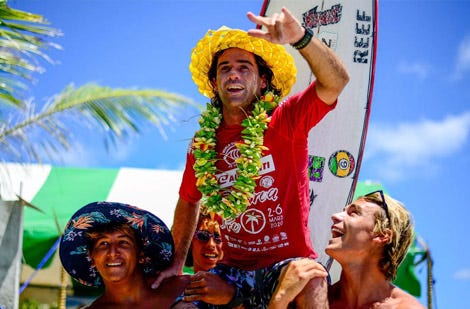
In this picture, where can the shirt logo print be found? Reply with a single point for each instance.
(253, 221)
(230, 154)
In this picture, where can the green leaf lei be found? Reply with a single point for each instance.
(248, 163)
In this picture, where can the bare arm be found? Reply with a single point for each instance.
(303, 282)
(209, 288)
(284, 28)
(184, 225)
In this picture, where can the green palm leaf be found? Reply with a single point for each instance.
(28, 133)
(120, 112)
(22, 39)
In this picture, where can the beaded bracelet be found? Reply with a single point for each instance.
(304, 40)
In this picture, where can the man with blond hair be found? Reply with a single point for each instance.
(369, 239)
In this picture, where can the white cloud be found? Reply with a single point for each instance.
(405, 146)
(462, 274)
(462, 65)
(420, 70)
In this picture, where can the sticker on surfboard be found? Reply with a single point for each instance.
(341, 163)
(336, 144)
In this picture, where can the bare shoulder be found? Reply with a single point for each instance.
(175, 286)
(398, 299)
(175, 283)
(405, 300)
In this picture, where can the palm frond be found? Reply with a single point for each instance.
(30, 133)
(119, 112)
(23, 37)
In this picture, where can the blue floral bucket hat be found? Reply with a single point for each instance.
(158, 246)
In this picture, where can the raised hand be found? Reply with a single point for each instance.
(281, 28)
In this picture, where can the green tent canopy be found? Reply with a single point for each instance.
(60, 191)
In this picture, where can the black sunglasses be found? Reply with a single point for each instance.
(205, 236)
(384, 203)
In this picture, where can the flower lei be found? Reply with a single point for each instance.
(248, 164)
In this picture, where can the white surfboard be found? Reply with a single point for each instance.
(336, 144)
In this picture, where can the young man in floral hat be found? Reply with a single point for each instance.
(248, 162)
(120, 248)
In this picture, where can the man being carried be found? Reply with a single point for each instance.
(248, 162)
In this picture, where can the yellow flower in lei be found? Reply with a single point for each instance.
(248, 164)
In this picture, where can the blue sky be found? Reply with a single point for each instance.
(418, 140)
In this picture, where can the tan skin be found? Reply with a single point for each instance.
(356, 246)
(205, 285)
(207, 254)
(292, 285)
(115, 256)
(238, 84)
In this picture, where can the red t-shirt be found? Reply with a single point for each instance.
(274, 227)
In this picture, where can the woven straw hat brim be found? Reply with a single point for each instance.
(158, 246)
(276, 56)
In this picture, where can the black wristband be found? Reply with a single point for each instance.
(304, 40)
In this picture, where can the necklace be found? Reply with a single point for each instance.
(248, 163)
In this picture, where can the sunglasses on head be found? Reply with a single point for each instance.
(384, 203)
(205, 236)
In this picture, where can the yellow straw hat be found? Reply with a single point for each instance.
(279, 60)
